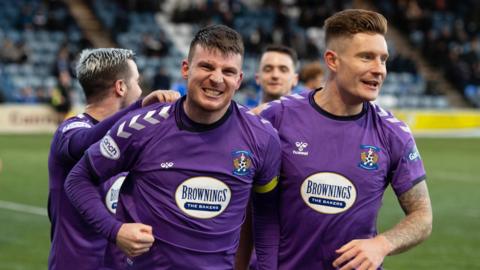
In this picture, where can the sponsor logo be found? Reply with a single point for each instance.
(413, 154)
(242, 163)
(166, 165)
(109, 148)
(75, 125)
(111, 198)
(203, 197)
(300, 148)
(328, 193)
(369, 157)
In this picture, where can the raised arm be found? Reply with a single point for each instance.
(83, 138)
(74, 146)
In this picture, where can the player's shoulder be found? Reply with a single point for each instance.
(391, 125)
(274, 111)
(141, 120)
(286, 103)
(76, 122)
(255, 122)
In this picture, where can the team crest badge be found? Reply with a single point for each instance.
(369, 157)
(242, 162)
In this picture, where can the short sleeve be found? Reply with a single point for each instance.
(409, 169)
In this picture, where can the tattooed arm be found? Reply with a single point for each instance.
(415, 227)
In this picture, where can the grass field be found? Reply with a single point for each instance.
(453, 167)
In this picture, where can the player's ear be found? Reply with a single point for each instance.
(120, 88)
(330, 58)
(185, 68)
(257, 78)
(295, 80)
(239, 81)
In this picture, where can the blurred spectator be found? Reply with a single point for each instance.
(401, 63)
(27, 95)
(446, 32)
(63, 62)
(153, 46)
(61, 100)
(43, 95)
(25, 20)
(11, 52)
(161, 80)
(2, 98)
(311, 75)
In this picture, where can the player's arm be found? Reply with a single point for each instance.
(266, 224)
(408, 182)
(415, 227)
(265, 209)
(133, 239)
(245, 247)
(113, 154)
(81, 139)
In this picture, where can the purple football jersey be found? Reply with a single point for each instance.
(73, 240)
(190, 182)
(333, 176)
(74, 243)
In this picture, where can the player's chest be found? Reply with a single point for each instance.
(191, 155)
(359, 156)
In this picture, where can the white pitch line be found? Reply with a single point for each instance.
(23, 208)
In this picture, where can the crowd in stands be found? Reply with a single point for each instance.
(447, 33)
(39, 42)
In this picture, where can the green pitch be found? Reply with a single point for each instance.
(453, 168)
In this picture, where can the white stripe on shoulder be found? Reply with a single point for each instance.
(381, 111)
(133, 123)
(406, 129)
(264, 121)
(164, 112)
(297, 96)
(121, 133)
(149, 118)
(391, 118)
(74, 125)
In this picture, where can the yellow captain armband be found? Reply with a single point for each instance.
(267, 187)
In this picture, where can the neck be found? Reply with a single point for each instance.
(332, 100)
(202, 116)
(103, 109)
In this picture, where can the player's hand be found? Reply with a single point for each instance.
(257, 110)
(363, 254)
(160, 96)
(134, 239)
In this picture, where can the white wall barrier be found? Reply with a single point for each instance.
(27, 119)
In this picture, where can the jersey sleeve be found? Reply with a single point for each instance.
(266, 178)
(409, 169)
(272, 112)
(77, 136)
(114, 153)
(265, 208)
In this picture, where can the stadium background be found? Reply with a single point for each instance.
(433, 84)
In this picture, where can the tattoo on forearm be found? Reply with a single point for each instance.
(417, 224)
